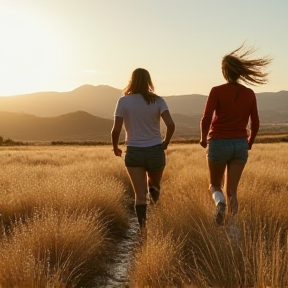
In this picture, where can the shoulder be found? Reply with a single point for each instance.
(216, 89)
(247, 90)
(160, 100)
(124, 98)
(156, 97)
(220, 87)
(121, 99)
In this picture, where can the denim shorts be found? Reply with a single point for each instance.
(152, 159)
(225, 150)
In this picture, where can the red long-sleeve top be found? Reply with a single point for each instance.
(232, 107)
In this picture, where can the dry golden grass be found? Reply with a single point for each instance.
(207, 255)
(61, 207)
(71, 179)
(53, 249)
(62, 211)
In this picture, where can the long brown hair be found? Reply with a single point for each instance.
(237, 66)
(141, 83)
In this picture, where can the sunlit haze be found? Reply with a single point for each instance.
(59, 45)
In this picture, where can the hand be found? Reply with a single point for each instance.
(117, 152)
(250, 143)
(203, 143)
(165, 145)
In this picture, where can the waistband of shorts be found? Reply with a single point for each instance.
(143, 148)
(228, 139)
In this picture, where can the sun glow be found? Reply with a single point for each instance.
(28, 50)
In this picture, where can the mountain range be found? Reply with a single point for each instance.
(86, 113)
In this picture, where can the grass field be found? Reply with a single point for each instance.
(64, 208)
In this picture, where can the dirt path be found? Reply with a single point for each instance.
(119, 270)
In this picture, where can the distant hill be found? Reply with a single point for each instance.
(86, 113)
(77, 126)
(82, 126)
(101, 100)
(96, 100)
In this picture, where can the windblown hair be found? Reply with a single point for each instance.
(141, 83)
(238, 67)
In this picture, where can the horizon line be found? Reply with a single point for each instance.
(105, 85)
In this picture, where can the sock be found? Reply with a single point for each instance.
(141, 214)
(218, 197)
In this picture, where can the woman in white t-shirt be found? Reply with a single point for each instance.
(140, 110)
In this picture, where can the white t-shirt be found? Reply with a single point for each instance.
(141, 121)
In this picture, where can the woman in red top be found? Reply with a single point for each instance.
(232, 105)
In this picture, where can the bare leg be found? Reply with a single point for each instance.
(234, 172)
(216, 180)
(224, 178)
(216, 171)
(154, 181)
(138, 179)
(139, 182)
(154, 178)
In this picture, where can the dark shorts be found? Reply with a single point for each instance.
(225, 150)
(151, 158)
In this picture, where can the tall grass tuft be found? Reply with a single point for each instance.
(158, 261)
(53, 248)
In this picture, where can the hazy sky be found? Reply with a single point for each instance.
(59, 45)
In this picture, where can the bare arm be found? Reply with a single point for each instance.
(206, 119)
(254, 117)
(115, 133)
(204, 130)
(170, 128)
